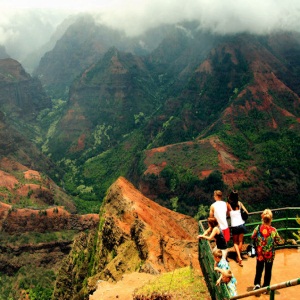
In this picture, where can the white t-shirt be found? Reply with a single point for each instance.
(236, 218)
(220, 213)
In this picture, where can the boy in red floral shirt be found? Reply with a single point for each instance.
(265, 237)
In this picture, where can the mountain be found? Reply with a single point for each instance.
(32, 60)
(39, 240)
(236, 95)
(22, 98)
(21, 95)
(3, 53)
(24, 187)
(129, 239)
(178, 112)
(85, 42)
(22, 102)
(234, 100)
(38, 219)
(242, 101)
(105, 104)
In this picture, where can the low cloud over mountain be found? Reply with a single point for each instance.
(25, 28)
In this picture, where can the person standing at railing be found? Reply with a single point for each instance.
(231, 282)
(215, 232)
(220, 263)
(265, 237)
(238, 228)
(219, 210)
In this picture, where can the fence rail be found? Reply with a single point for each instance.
(285, 220)
(269, 289)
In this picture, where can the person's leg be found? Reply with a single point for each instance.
(268, 273)
(235, 238)
(224, 253)
(241, 241)
(259, 270)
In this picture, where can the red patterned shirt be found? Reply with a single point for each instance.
(266, 238)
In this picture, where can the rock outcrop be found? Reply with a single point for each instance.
(14, 220)
(21, 95)
(135, 234)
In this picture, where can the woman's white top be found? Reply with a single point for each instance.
(236, 218)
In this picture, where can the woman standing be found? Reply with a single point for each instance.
(266, 237)
(238, 228)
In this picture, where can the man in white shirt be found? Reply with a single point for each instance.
(219, 210)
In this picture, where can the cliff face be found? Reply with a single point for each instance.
(25, 187)
(135, 234)
(14, 220)
(38, 240)
(21, 95)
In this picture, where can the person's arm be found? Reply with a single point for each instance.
(220, 278)
(206, 232)
(229, 208)
(212, 235)
(211, 211)
(218, 282)
(244, 208)
(278, 239)
(218, 269)
(254, 234)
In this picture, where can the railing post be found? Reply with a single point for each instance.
(286, 224)
(272, 295)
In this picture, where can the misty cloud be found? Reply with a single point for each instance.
(219, 16)
(26, 26)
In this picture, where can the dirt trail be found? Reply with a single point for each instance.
(123, 289)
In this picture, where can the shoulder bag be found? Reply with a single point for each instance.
(244, 214)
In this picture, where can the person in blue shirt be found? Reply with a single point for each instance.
(231, 282)
(220, 261)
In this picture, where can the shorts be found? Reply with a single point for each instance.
(226, 233)
(241, 229)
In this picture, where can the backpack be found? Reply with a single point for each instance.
(251, 249)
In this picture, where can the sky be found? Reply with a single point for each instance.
(29, 24)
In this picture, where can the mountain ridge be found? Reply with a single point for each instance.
(130, 239)
(237, 92)
(195, 113)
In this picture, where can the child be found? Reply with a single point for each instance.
(220, 262)
(215, 233)
(228, 278)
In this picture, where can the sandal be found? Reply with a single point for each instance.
(240, 262)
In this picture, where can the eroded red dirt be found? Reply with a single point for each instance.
(178, 231)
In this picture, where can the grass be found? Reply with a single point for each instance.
(36, 237)
(191, 156)
(184, 283)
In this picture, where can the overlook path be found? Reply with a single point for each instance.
(286, 267)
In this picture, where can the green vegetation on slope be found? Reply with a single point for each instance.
(88, 180)
(37, 285)
(185, 283)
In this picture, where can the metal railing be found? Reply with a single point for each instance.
(285, 221)
(269, 289)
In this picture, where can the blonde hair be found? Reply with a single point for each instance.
(267, 216)
(218, 193)
(217, 253)
(227, 273)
